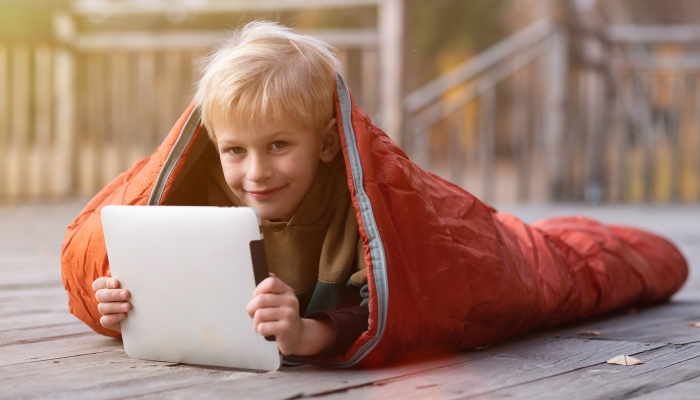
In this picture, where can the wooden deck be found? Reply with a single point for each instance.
(46, 353)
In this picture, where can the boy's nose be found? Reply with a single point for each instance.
(258, 169)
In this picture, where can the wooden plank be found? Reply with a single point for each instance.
(40, 153)
(183, 40)
(652, 33)
(89, 8)
(35, 319)
(662, 367)
(57, 349)
(687, 389)
(64, 114)
(27, 335)
(4, 117)
(661, 324)
(505, 370)
(520, 361)
(17, 157)
(105, 375)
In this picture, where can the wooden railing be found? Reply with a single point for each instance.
(495, 123)
(652, 140)
(77, 112)
(616, 119)
(36, 147)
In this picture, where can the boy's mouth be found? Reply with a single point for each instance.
(265, 194)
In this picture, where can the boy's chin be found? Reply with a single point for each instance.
(270, 215)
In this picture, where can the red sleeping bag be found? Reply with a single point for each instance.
(445, 271)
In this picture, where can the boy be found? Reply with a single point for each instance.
(267, 103)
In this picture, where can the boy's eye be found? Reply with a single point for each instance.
(278, 145)
(236, 150)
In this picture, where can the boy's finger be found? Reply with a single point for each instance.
(263, 301)
(113, 308)
(112, 321)
(104, 282)
(99, 283)
(109, 295)
(272, 285)
(269, 328)
(267, 315)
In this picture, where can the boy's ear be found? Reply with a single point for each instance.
(330, 141)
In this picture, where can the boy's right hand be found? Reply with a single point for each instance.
(113, 304)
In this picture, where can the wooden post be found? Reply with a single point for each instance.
(112, 149)
(17, 167)
(696, 121)
(64, 114)
(520, 133)
(140, 146)
(370, 79)
(4, 118)
(555, 111)
(391, 46)
(456, 126)
(487, 141)
(595, 133)
(40, 153)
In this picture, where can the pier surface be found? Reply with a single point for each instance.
(45, 352)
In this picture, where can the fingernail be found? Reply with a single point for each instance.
(125, 306)
(122, 294)
(112, 284)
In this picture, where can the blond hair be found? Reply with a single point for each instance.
(266, 70)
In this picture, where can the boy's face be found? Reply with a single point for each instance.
(271, 166)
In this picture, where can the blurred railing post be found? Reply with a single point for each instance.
(555, 111)
(391, 13)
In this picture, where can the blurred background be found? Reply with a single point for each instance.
(517, 101)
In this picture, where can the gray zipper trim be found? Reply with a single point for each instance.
(181, 143)
(376, 246)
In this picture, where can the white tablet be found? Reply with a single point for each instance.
(191, 271)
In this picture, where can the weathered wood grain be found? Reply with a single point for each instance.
(536, 364)
(662, 367)
(104, 375)
(46, 352)
(521, 360)
(43, 333)
(662, 324)
(687, 389)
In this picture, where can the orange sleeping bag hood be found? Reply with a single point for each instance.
(445, 271)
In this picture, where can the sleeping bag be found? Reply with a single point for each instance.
(445, 271)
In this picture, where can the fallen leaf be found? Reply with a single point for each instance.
(482, 347)
(694, 324)
(624, 360)
(590, 333)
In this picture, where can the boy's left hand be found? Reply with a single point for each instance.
(275, 312)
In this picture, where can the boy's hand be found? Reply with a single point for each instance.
(113, 304)
(275, 312)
